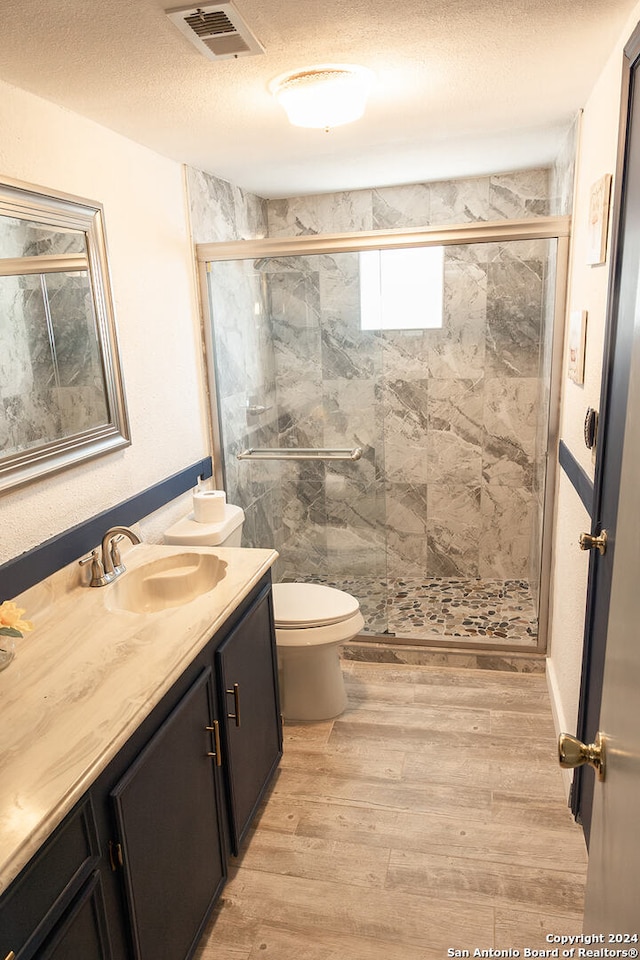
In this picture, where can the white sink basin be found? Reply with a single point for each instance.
(170, 581)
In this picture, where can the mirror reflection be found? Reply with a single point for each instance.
(61, 396)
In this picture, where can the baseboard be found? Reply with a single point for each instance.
(560, 722)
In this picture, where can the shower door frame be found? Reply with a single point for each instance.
(486, 231)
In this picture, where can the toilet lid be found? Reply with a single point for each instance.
(297, 605)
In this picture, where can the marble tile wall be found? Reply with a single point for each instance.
(244, 352)
(451, 421)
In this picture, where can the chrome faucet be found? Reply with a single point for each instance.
(111, 562)
(106, 563)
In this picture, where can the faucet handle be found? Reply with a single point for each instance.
(118, 565)
(98, 577)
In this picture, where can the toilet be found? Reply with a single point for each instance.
(312, 622)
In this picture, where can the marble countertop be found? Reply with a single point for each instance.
(83, 681)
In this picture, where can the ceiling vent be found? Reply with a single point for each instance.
(217, 30)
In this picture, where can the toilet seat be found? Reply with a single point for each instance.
(303, 606)
(328, 635)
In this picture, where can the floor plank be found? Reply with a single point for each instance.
(429, 816)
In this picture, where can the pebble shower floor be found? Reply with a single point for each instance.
(446, 609)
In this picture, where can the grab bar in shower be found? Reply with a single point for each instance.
(300, 453)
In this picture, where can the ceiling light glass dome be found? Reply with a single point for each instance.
(323, 96)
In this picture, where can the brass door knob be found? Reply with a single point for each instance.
(588, 542)
(573, 753)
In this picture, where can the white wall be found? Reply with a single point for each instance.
(154, 288)
(588, 290)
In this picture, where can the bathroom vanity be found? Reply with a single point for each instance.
(133, 761)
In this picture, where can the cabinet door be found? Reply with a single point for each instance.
(167, 814)
(82, 932)
(37, 899)
(247, 674)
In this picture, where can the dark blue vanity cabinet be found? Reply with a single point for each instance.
(168, 822)
(58, 896)
(251, 722)
(133, 872)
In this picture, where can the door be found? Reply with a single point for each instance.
(247, 672)
(613, 885)
(614, 407)
(169, 828)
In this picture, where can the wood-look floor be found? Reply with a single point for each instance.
(429, 816)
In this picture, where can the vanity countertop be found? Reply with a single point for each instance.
(85, 679)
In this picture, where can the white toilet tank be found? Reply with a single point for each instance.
(226, 533)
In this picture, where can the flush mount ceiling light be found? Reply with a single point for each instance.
(324, 96)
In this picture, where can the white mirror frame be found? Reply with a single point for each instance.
(58, 210)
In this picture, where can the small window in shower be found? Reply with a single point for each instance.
(401, 289)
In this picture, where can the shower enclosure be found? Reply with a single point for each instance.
(383, 409)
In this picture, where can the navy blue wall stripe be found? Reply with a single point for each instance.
(582, 482)
(40, 562)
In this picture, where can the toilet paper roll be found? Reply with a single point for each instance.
(209, 506)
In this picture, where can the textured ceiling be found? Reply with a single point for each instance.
(463, 87)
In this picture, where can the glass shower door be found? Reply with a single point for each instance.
(437, 527)
(295, 371)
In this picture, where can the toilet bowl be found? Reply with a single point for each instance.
(312, 622)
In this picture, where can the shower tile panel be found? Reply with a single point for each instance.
(405, 428)
(405, 353)
(453, 530)
(454, 432)
(451, 459)
(304, 528)
(460, 201)
(267, 514)
(212, 208)
(457, 406)
(401, 207)
(505, 542)
(514, 196)
(221, 211)
(300, 216)
(353, 549)
(406, 520)
(522, 193)
(347, 351)
(297, 353)
(514, 318)
(458, 349)
(230, 366)
(350, 411)
(510, 424)
(294, 299)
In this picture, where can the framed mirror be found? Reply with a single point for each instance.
(61, 392)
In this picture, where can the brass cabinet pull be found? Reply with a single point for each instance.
(10, 956)
(116, 857)
(215, 729)
(236, 701)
